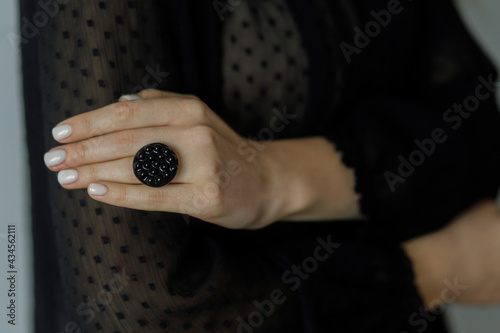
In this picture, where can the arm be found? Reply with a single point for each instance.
(464, 254)
(218, 181)
(310, 175)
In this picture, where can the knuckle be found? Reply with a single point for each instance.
(122, 195)
(194, 107)
(114, 173)
(156, 198)
(87, 126)
(204, 135)
(90, 173)
(105, 126)
(123, 112)
(124, 140)
(214, 193)
(81, 150)
(208, 202)
(212, 168)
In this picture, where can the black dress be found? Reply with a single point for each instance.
(104, 268)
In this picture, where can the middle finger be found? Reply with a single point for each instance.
(123, 144)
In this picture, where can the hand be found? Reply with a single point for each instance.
(214, 182)
(223, 178)
(466, 254)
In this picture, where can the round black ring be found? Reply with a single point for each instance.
(155, 164)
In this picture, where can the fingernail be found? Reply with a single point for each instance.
(54, 157)
(97, 189)
(67, 176)
(62, 132)
(131, 97)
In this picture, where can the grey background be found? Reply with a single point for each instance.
(13, 178)
(14, 204)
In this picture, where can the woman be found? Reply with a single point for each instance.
(316, 78)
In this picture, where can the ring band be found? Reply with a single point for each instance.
(155, 164)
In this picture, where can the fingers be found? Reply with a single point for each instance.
(194, 147)
(99, 147)
(114, 146)
(115, 171)
(119, 171)
(171, 198)
(129, 115)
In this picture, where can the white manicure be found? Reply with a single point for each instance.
(67, 176)
(97, 189)
(131, 97)
(62, 132)
(54, 157)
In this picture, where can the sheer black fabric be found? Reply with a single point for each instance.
(121, 270)
(424, 138)
(110, 269)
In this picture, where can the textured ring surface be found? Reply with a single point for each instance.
(155, 164)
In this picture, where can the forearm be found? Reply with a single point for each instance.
(309, 180)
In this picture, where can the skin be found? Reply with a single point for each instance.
(467, 250)
(223, 178)
(220, 183)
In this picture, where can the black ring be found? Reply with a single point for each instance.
(155, 164)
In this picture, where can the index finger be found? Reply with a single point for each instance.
(129, 115)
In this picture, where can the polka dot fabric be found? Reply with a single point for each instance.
(132, 271)
(264, 63)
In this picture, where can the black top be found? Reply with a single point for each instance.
(352, 276)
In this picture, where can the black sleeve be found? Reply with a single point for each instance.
(416, 119)
(371, 289)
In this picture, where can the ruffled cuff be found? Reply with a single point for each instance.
(407, 162)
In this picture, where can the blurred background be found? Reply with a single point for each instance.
(14, 187)
(14, 198)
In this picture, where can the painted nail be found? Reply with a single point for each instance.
(54, 157)
(131, 97)
(67, 176)
(62, 132)
(97, 189)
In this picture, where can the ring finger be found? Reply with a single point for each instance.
(118, 171)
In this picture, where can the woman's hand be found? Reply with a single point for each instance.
(464, 255)
(223, 178)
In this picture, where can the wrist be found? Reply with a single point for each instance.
(433, 260)
(280, 191)
(307, 180)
